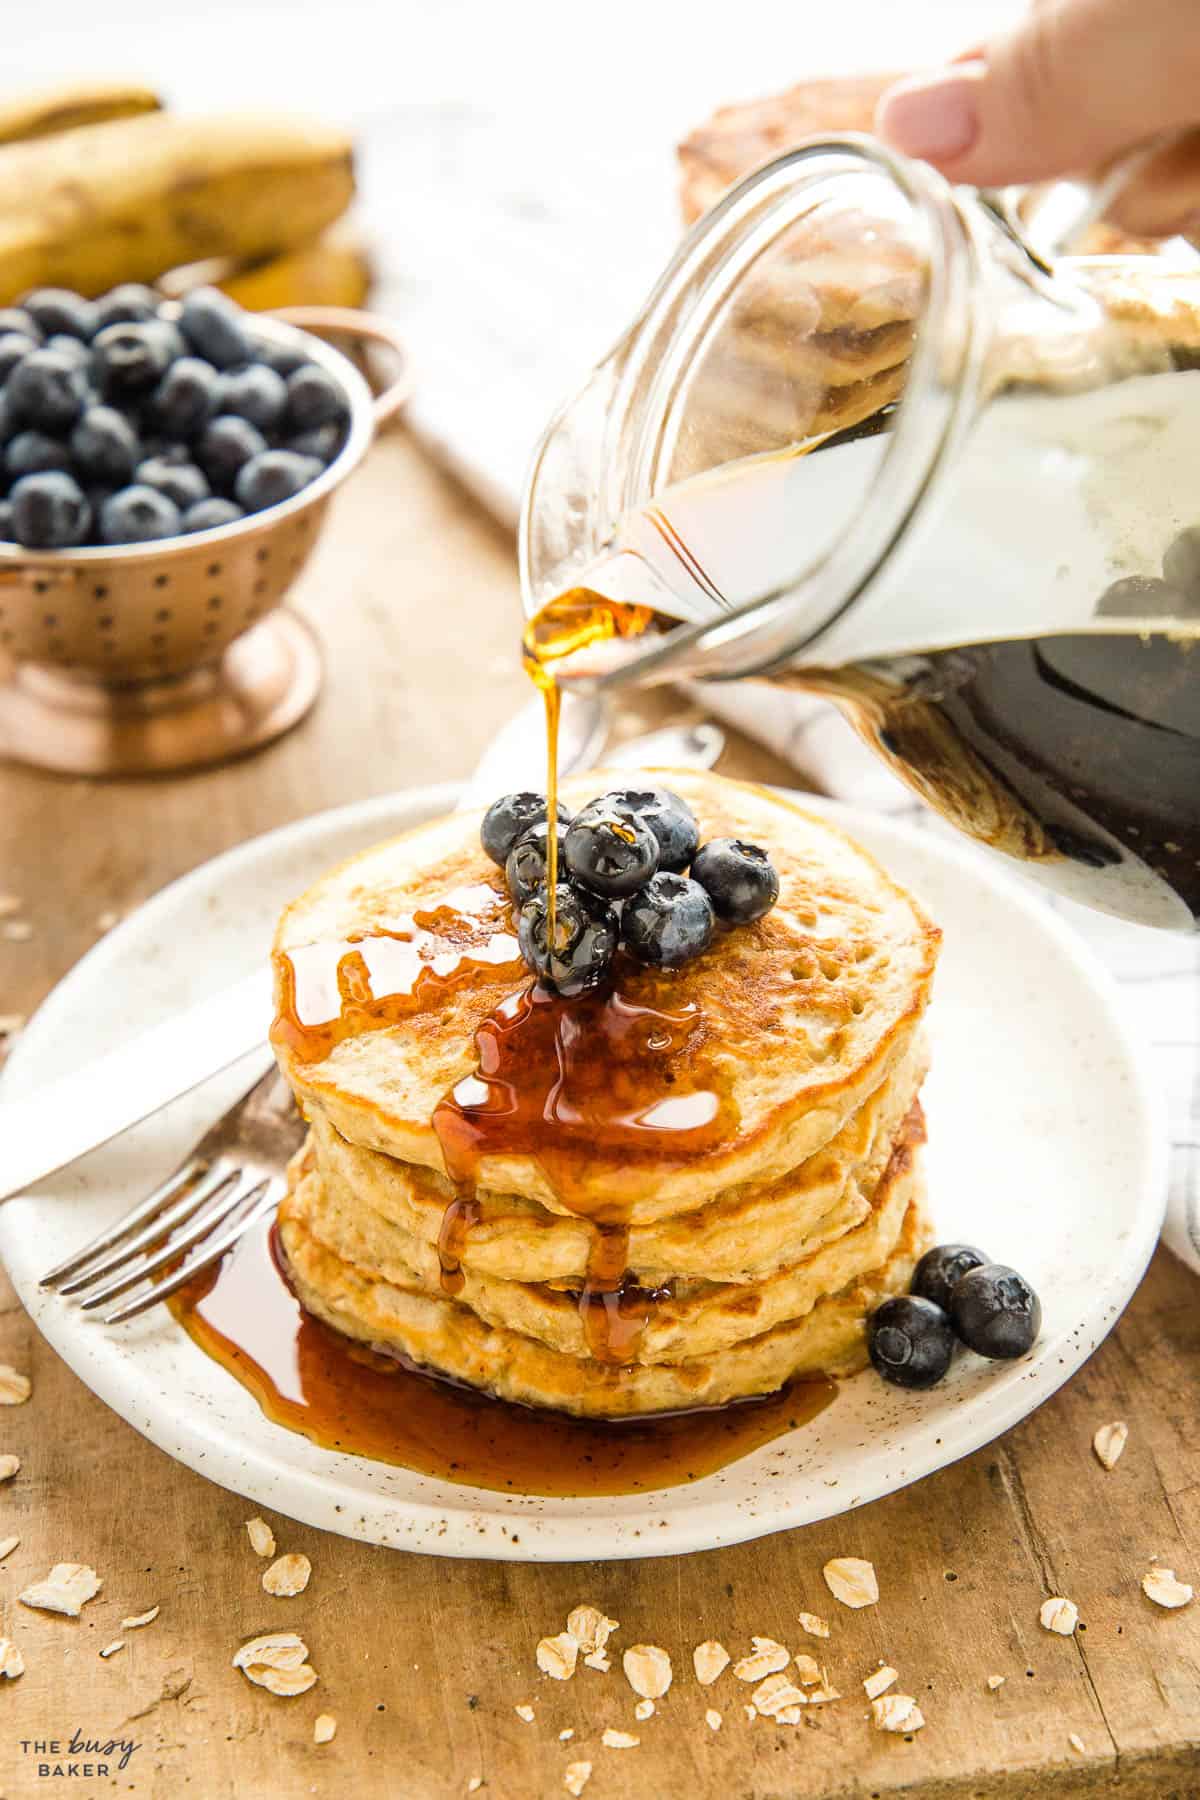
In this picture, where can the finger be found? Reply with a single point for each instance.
(1077, 83)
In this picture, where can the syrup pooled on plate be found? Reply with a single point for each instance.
(344, 1397)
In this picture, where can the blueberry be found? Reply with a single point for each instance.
(255, 393)
(525, 867)
(585, 937)
(941, 1267)
(225, 446)
(668, 921)
(6, 522)
(187, 397)
(15, 318)
(129, 304)
(509, 818)
(269, 479)
(137, 515)
(910, 1341)
(668, 817)
(58, 310)
(49, 512)
(314, 398)
(105, 445)
(285, 359)
(14, 348)
(995, 1311)
(130, 358)
(741, 879)
(610, 853)
(323, 441)
(47, 389)
(181, 482)
(78, 352)
(33, 451)
(206, 515)
(168, 334)
(216, 328)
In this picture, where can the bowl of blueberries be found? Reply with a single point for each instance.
(165, 468)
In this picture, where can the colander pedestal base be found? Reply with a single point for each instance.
(263, 685)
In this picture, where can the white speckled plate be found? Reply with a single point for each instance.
(1046, 1147)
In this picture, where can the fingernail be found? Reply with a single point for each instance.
(933, 116)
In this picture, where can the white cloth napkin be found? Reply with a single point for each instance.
(1158, 972)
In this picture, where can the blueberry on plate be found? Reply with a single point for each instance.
(670, 819)
(181, 482)
(910, 1341)
(47, 389)
(741, 879)
(30, 452)
(509, 818)
(216, 328)
(49, 511)
(525, 866)
(610, 853)
(275, 476)
(15, 346)
(585, 937)
(206, 515)
(128, 304)
(939, 1269)
(105, 445)
(138, 515)
(255, 393)
(55, 310)
(225, 446)
(323, 442)
(314, 398)
(130, 358)
(668, 921)
(995, 1311)
(187, 397)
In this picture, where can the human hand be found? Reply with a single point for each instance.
(1077, 85)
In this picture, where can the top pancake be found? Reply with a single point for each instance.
(797, 1018)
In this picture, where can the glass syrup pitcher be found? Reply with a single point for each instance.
(863, 441)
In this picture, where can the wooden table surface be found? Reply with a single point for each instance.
(422, 1661)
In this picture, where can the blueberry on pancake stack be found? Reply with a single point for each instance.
(683, 1179)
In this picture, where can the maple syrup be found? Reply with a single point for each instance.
(345, 1397)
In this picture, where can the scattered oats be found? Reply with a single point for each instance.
(7, 1546)
(17, 931)
(9, 904)
(524, 1711)
(767, 1658)
(111, 1649)
(12, 1663)
(14, 1389)
(564, 1737)
(647, 1670)
(897, 1712)
(709, 1660)
(67, 1589)
(1059, 1615)
(1161, 1586)
(287, 1575)
(9, 1465)
(262, 1538)
(996, 1681)
(105, 922)
(712, 1719)
(589, 1627)
(575, 1777)
(814, 1624)
(146, 1618)
(750, 1710)
(879, 1682)
(11, 1023)
(775, 1693)
(1077, 1743)
(618, 1740)
(276, 1661)
(644, 1710)
(556, 1656)
(324, 1728)
(806, 1668)
(788, 1715)
(822, 1695)
(1109, 1442)
(599, 1659)
(852, 1581)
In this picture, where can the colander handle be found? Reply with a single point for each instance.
(362, 328)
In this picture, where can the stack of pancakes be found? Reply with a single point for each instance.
(746, 1255)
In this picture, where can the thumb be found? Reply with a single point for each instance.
(1077, 83)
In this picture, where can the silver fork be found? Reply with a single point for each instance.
(231, 1178)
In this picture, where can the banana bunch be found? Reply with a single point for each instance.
(100, 185)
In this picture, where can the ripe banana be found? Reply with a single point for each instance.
(65, 108)
(333, 270)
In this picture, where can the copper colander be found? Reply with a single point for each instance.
(150, 657)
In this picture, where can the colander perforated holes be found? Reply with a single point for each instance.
(210, 628)
(50, 621)
(214, 603)
(162, 581)
(262, 554)
(163, 614)
(213, 569)
(99, 592)
(260, 587)
(41, 587)
(105, 621)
